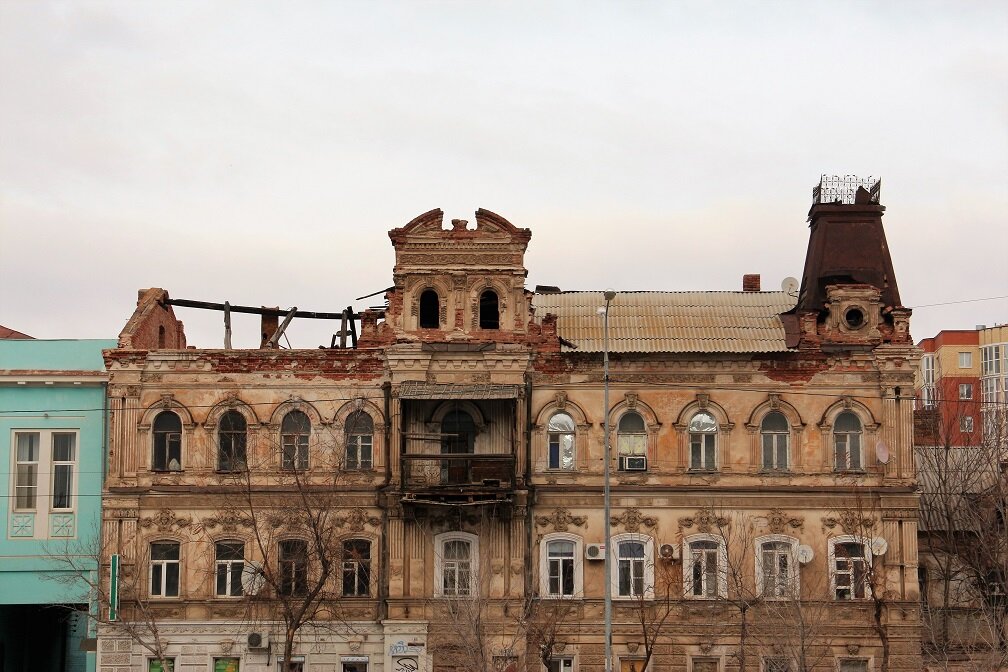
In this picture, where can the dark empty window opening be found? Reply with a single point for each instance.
(854, 318)
(430, 310)
(161, 336)
(489, 313)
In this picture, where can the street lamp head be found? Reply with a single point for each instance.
(609, 294)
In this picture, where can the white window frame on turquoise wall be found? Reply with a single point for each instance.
(44, 520)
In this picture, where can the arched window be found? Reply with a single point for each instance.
(356, 568)
(774, 431)
(703, 442)
(232, 438)
(560, 565)
(847, 442)
(561, 441)
(430, 310)
(230, 562)
(167, 431)
(359, 437)
(292, 562)
(630, 565)
(777, 568)
(705, 567)
(294, 432)
(631, 442)
(489, 310)
(457, 567)
(164, 569)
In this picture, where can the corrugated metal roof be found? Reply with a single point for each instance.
(670, 321)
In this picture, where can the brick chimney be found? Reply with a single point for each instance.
(751, 282)
(269, 327)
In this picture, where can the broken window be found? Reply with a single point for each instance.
(489, 310)
(356, 568)
(703, 442)
(430, 310)
(850, 571)
(359, 434)
(561, 441)
(232, 440)
(294, 433)
(167, 442)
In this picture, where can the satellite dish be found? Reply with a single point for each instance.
(790, 286)
(882, 452)
(879, 546)
(805, 554)
(252, 578)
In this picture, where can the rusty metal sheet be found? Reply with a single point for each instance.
(739, 322)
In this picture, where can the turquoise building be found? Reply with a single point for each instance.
(53, 437)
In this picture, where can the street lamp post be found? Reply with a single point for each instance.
(609, 296)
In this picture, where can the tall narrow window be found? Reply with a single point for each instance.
(774, 431)
(489, 310)
(232, 438)
(294, 432)
(458, 436)
(704, 569)
(849, 571)
(292, 557)
(26, 478)
(776, 567)
(64, 457)
(703, 442)
(560, 558)
(356, 568)
(430, 310)
(164, 569)
(359, 433)
(631, 441)
(167, 430)
(561, 441)
(456, 568)
(847, 442)
(230, 562)
(630, 565)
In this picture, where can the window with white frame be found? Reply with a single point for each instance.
(359, 437)
(965, 391)
(294, 432)
(849, 560)
(927, 381)
(167, 431)
(560, 437)
(847, 432)
(229, 559)
(455, 569)
(356, 568)
(633, 566)
(990, 360)
(965, 360)
(705, 565)
(560, 565)
(774, 434)
(966, 424)
(703, 442)
(26, 470)
(631, 441)
(164, 569)
(777, 566)
(563, 664)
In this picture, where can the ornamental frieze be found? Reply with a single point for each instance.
(850, 521)
(165, 520)
(561, 520)
(632, 519)
(705, 519)
(355, 520)
(229, 521)
(778, 521)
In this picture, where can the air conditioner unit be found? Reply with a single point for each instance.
(595, 551)
(258, 640)
(668, 552)
(633, 463)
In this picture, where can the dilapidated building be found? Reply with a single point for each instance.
(432, 496)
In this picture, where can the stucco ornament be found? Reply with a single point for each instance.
(227, 520)
(705, 519)
(850, 521)
(561, 520)
(778, 521)
(164, 520)
(355, 520)
(632, 519)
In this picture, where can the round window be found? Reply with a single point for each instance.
(854, 317)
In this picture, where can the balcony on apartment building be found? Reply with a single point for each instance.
(458, 443)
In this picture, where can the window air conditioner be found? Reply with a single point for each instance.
(668, 552)
(633, 463)
(595, 551)
(258, 640)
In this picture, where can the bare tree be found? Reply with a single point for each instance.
(653, 604)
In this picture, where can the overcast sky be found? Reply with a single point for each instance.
(259, 152)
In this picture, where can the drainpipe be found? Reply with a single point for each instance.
(383, 567)
(529, 488)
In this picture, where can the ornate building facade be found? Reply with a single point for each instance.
(763, 502)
